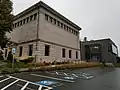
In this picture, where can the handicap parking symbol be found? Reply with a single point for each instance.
(47, 83)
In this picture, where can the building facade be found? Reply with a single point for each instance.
(41, 31)
(99, 50)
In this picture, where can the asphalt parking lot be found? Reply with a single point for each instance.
(80, 79)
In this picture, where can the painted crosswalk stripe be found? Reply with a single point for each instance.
(52, 78)
(9, 85)
(23, 88)
(4, 79)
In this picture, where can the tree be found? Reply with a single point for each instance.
(6, 22)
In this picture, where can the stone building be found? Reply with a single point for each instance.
(41, 31)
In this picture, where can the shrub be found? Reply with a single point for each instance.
(7, 71)
(28, 60)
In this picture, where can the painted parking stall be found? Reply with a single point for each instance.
(12, 83)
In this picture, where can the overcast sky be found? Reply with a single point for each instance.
(97, 18)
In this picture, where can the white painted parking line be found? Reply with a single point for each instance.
(49, 88)
(26, 87)
(40, 88)
(9, 85)
(5, 79)
(52, 78)
(65, 74)
(74, 75)
(23, 88)
(57, 73)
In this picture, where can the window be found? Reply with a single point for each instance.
(35, 16)
(54, 21)
(21, 22)
(51, 19)
(27, 19)
(47, 50)
(70, 51)
(24, 20)
(61, 25)
(76, 55)
(21, 50)
(5, 52)
(30, 50)
(18, 24)
(31, 17)
(73, 31)
(76, 33)
(65, 27)
(70, 30)
(63, 53)
(15, 25)
(58, 23)
(46, 17)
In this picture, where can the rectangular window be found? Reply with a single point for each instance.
(30, 50)
(21, 22)
(46, 17)
(27, 19)
(76, 55)
(5, 52)
(51, 19)
(31, 17)
(61, 25)
(47, 50)
(58, 23)
(70, 52)
(63, 53)
(65, 27)
(24, 20)
(76, 33)
(54, 21)
(35, 16)
(20, 51)
(15, 25)
(18, 24)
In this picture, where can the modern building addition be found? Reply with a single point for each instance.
(99, 50)
(43, 30)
